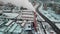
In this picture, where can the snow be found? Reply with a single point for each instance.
(11, 15)
(58, 25)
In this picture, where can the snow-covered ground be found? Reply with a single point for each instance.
(42, 11)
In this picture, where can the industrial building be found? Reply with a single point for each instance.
(29, 16)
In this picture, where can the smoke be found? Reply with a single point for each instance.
(20, 3)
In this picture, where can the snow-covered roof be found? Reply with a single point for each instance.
(11, 15)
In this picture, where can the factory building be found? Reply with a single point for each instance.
(29, 17)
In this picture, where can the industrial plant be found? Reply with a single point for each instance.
(29, 16)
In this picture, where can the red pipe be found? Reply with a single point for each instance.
(35, 22)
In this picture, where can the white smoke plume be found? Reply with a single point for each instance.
(19, 3)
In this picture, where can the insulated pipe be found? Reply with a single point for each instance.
(35, 22)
